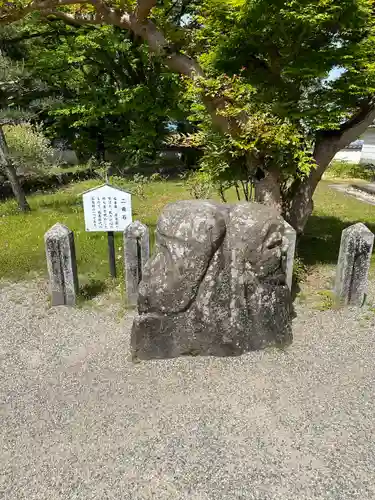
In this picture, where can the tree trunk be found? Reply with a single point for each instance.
(300, 206)
(267, 190)
(11, 174)
(17, 189)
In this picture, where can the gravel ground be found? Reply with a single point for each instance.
(79, 420)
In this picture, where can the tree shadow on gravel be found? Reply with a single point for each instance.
(320, 242)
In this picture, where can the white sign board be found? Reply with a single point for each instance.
(107, 208)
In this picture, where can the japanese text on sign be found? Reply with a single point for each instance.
(107, 209)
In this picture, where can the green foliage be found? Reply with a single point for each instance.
(272, 61)
(95, 87)
(117, 98)
(287, 49)
(29, 149)
(21, 95)
(140, 182)
(300, 270)
(269, 70)
(327, 300)
(347, 170)
(199, 185)
(261, 140)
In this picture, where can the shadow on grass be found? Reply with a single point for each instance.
(320, 243)
(92, 289)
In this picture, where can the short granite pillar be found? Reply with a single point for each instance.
(353, 265)
(291, 237)
(137, 252)
(62, 265)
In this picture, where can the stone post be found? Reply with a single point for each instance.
(291, 236)
(137, 252)
(62, 265)
(353, 265)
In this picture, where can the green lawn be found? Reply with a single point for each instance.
(333, 212)
(22, 235)
(22, 243)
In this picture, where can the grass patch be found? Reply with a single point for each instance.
(347, 170)
(22, 235)
(334, 211)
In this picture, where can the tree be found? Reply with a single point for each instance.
(310, 63)
(18, 89)
(111, 96)
(285, 50)
(11, 173)
(107, 94)
(9, 84)
(29, 148)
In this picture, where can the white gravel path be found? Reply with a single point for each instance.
(79, 420)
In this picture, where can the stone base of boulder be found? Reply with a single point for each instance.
(216, 283)
(180, 335)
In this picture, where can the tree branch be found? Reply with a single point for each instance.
(12, 14)
(329, 142)
(136, 22)
(353, 127)
(141, 26)
(74, 20)
(358, 123)
(30, 36)
(143, 9)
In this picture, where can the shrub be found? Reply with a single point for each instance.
(140, 181)
(347, 170)
(28, 147)
(138, 184)
(200, 185)
(48, 180)
(299, 270)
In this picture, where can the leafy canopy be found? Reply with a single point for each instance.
(108, 91)
(267, 68)
(113, 88)
(287, 50)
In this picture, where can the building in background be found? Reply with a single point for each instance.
(360, 151)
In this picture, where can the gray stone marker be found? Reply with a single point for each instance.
(62, 265)
(353, 265)
(290, 236)
(216, 284)
(136, 254)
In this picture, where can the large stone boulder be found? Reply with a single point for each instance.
(215, 284)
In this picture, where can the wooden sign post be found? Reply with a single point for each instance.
(108, 209)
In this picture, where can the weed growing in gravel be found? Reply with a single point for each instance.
(328, 300)
(300, 270)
